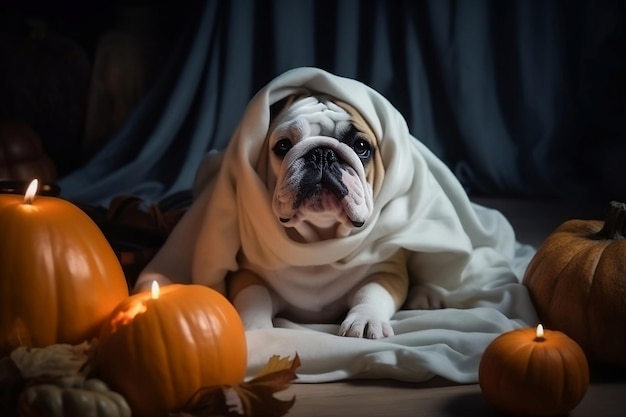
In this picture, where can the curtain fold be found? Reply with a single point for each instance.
(518, 98)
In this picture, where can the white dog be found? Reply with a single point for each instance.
(323, 161)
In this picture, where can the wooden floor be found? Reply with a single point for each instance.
(604, 398)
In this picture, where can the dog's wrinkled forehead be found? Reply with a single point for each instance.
(313, 116)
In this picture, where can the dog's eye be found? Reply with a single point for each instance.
(362, 148)
(282, 147)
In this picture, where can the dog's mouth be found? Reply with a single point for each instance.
(322, 199)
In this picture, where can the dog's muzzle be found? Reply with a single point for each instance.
(323, 170)
(322, 175)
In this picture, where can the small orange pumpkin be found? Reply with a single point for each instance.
(577, 281)
(59, 277)
(157, 352)
(521, 373)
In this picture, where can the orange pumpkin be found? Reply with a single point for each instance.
(523, 374)
(158, 352)
(59, 278)
(577, 281)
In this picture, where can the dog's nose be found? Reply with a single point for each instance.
(322, 155)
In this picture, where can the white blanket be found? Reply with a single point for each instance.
(466, 253)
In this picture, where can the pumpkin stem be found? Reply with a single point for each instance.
(615, 222)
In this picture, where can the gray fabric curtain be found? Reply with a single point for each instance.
(519, 98)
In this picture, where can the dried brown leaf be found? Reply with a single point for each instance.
(275, 363)
(257, 395)
(206, 402)
(254, 398)
(259, 401)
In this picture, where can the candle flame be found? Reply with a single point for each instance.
(156, 291)
(31, 191)
(539, 331)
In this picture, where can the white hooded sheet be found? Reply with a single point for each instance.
(466, 253)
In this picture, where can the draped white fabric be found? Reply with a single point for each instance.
(465, 253)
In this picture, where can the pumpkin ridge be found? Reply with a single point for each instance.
(493, 354)
(82, 297)
(220, 321)
(530, 352)
(586, 337)
(564, 374)
(578, 376)
(558, 276)
(574, 376)
(16, 322)
(594, 295)
(159, 319)
(60, 287)
(202, 356)
(165, 320)
(223, 318)
(45, 260)
(583, 253)
(213, 317)
(570, 276)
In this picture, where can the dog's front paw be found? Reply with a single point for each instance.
(423, 298)
(365, 321)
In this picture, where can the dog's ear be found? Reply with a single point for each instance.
(280, 105)
(277, 107)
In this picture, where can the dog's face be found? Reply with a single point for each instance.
(321, 152)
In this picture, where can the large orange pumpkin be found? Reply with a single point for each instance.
(526, 375)
(158, 352)
(577, 281)
(59, 278)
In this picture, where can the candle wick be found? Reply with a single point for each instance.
(540, 339)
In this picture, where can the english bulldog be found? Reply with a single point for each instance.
(324, 172)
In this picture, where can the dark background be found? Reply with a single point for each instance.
(48, 51)
(519, 98)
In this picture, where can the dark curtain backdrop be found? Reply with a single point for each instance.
(519, 98)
